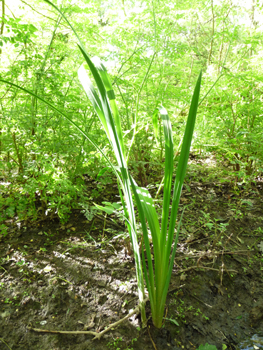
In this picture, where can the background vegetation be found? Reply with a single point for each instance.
(153, 51)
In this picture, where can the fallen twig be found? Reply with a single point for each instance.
(2, 340)
(212, 253)
(202, 267)
(95, 334)
(155, 348)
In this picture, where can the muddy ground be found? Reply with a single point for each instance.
(80, 276)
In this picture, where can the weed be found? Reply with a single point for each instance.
(114, 344)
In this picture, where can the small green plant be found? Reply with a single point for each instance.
(182, 310)
(8, 301)
(3, 230)
(114, 344)
(172, 321)
(259, 231)
(22, 263)
(218, 228)
(198, 312)
(88, 211)
(43, 249)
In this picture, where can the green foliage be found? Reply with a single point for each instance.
(114, 344)
(172, 321)
(207, 347)
(18, 33)
(48, 193)
(180, 45)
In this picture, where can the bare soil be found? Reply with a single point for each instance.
(80, 276)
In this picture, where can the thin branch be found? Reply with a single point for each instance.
(213, 32)
(2, 340)
(10, 11)
(137, 105)
(3, 21)
(95, 334)
(3, 17)
(127, 60)
(155, 348)
(203, 267)
(32, 8)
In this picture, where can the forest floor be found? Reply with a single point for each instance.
(80, 276)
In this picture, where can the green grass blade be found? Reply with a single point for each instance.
(168, 174)
(168, 272)
(107, 118)
(150, 213)
(149, 281)
(92, 95)
(171, 264)
(108, 122)
(182, 164)
(155, 124)
(111, 95)
(158, 276)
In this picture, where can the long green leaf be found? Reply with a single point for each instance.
(182, 164)
(146, 206)
(169, 153)
(107, 118)
(155, 123)
(148, 272)
(111, 95)
(169, 271)
(92, 95)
